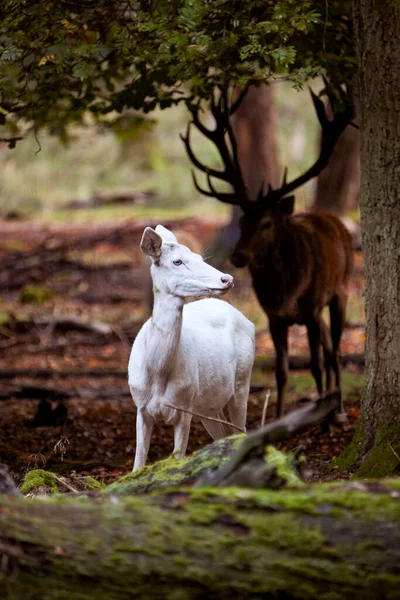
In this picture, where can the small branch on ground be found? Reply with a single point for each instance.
(65, 483)
(265, 407)
(207, 418)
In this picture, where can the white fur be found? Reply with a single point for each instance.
(196, 356)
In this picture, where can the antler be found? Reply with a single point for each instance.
(331, 131)
(231, 173)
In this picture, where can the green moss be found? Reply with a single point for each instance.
(91, 483)
(4, 317)
(333, 499)
(348, 458)
(173, 472)
(284, 464)
(384, 457)
(38, 479)
(35, 294)
(181, 561)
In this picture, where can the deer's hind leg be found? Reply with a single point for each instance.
(181, 434)
(315, 341)
(279, 333)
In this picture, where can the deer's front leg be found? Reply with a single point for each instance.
(279, 333)
(181, 435)
(144, 429)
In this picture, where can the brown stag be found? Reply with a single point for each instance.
(299, 263)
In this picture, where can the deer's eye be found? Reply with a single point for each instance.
(178, 262)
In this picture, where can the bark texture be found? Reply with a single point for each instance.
(331, 542)
(377, 30)
(254, 126)
(338, 186)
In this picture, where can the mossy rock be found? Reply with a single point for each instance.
(40, 482)
(35, 294)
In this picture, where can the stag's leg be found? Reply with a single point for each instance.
(279, 333)
(337, 308)
(314, 340)
(181, 435)
(328, 353)
(144, 429)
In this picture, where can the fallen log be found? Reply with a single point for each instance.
(325, 541)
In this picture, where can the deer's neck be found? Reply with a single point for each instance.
(277, 277)
(165, 332)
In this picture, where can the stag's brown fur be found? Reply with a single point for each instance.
(299, 264)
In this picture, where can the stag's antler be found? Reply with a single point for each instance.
(331, 131)
(223, 132)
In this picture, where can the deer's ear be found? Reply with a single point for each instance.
(166, 235)
(286, 205)
(151, 243)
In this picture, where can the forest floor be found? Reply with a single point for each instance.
(71, 303)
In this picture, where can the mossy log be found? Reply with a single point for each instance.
(326, 541)
(172, 472)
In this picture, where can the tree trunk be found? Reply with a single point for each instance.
(201, 543)
(338, 186)
(254, 126)
(377, 28)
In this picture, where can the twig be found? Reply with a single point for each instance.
(265, 408)
(394, 451)
(65, 483)
(206, 417)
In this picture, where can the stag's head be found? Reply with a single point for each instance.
(261, 228)
(264, 218)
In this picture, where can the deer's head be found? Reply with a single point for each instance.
(177, 270)
(261, 229)
(264, 218)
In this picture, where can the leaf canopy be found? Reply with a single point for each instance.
(71, 61)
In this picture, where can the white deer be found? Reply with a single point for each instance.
(197, 356)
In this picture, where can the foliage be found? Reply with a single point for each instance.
(64, 62)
